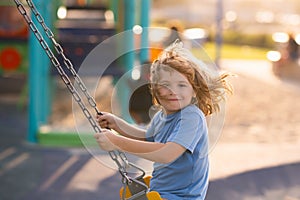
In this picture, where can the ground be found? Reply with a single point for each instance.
(262, 112)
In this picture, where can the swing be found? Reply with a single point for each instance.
(133, 188)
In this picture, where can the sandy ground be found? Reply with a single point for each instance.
(262, 123)
(263, 109)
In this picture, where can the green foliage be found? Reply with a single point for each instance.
(229, 51)
(239, 38)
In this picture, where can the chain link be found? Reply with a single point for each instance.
(117, 156)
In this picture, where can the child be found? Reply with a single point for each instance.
(176, 140)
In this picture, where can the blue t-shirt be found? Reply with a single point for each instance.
(186, 178)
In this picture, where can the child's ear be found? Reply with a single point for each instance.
(194, 94)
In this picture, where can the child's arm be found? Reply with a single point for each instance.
(108, 120)
(153, 151)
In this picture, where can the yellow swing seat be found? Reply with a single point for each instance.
(152, 195)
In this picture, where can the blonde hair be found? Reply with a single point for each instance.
(210, 87)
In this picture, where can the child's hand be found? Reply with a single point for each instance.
(106, 120)
(104, 140)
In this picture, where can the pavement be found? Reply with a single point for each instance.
(33, 172)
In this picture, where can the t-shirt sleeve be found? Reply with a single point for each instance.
(189, 130)
(151, 129)
(149, 133)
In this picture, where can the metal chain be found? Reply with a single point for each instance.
(54, 60)
(117, 156)
(60, 51)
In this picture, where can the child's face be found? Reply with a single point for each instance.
(174, 91)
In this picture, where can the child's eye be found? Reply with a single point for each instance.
(182, 85)
(165, 85)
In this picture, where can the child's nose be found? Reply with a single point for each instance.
(173, 90)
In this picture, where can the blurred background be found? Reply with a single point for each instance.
(43, 153)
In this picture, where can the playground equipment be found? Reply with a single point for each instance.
(134, 188)
(13, 41)
(13, 52)
(88, 26)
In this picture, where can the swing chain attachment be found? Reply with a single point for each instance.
(117, 156)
